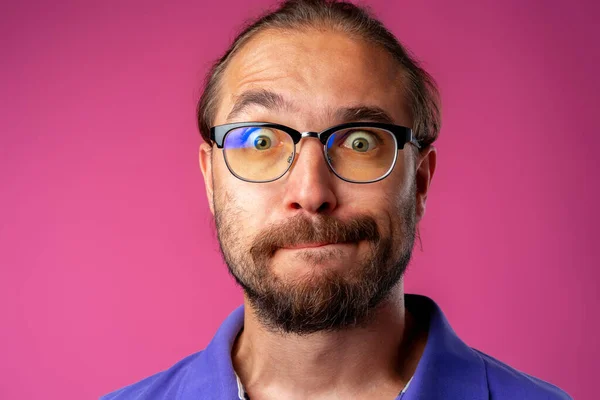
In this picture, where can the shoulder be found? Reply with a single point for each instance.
(163, 385)
(506, 382)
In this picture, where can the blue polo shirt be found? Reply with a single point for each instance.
(447, 370)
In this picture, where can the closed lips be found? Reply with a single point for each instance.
(312, 245)
(307, 245)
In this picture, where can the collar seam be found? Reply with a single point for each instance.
(485, 369)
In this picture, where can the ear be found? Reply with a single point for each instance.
(205, 159)
(426, 163)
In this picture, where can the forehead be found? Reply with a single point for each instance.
(317, 72)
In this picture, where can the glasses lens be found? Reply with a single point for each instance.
(362, 154)
(257, 153)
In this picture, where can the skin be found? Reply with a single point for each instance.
(319, 71)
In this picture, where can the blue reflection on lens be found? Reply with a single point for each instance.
(330, 141)
(238, 137)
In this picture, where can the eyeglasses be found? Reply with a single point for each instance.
(358, 152)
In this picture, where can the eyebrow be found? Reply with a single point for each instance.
(275, 102)
(262, 98)
(363, 113)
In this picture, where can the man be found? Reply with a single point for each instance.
(317, 161)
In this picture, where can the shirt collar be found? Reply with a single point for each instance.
(448, 367)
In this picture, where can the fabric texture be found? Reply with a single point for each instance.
(448, 369)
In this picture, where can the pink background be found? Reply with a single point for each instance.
(109, 267)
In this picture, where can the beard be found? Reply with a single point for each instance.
(329, 299)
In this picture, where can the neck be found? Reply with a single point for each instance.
(372, 361)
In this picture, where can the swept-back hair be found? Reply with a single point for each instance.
(420, 90)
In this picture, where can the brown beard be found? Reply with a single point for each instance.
(327, 301)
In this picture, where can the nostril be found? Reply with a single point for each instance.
(323, 207)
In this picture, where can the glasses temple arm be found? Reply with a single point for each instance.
(415, 142)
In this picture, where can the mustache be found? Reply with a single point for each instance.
(301, 229)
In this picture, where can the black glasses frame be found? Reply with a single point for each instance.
(401, 134)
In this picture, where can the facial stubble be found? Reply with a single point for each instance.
(331, 298)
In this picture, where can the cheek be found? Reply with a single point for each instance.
(381, 196)
(374, 200)
(385, 200)
(248, 205)
(403, 170)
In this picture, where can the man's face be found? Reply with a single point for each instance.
(312, 251)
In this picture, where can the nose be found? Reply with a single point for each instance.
(309, 186)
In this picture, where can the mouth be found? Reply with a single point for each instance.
(300, 246)
(306, 245)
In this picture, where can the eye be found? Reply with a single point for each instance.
(261, 139)
(262, 142)
(360, 141)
